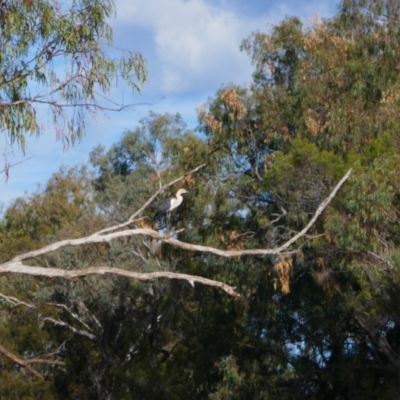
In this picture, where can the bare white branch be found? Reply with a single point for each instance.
(106, 235)
(91, 316)
(71, 328)
(15, 302)
(148, 202)
(320, 208)
(73, 315)
(73, 275)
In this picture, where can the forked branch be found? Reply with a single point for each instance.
(25, 363)
(106, 235)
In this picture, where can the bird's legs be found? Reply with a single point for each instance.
(167, 223)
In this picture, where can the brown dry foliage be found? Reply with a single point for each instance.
(233, 101)
(144, 223)
(189, 181)
(213, 123)
(236, 242)
(390, 102)
(315, 122)
(283, 269)
(232, 240)
(324, 49)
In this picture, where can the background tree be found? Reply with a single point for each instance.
(319, 320)
(40, 40)
(318, 105)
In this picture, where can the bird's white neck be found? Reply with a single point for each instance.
(179, 198)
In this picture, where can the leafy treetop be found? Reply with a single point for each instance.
(58, 55)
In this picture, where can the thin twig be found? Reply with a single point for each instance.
(99, 238)
(17, 163)
(15, 302)
(145, 205)
(73, 315)
(71, 328)
(16, 266)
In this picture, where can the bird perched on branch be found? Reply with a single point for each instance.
(169, 205)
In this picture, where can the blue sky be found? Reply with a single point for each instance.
(191, 48)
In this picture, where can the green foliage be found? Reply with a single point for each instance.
(51, 215)
(323, 100)
(320, 322)
(42, 38)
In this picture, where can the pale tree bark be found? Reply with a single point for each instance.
(16, 265)
(25, 363)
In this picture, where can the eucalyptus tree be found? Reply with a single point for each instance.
(317, 320)
(323, 99)
(59, 56)
(109, 338)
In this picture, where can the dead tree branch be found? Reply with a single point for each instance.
(71, 328)
(73, 275)
(19, 361)
(73, 315)
(106, 235)
(149, 201)
(15, 302)
(99, 237)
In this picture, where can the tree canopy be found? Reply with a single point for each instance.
(120, 308)
(59, 55)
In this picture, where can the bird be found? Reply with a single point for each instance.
(169, 205)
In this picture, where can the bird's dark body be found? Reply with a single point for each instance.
(163, 210)
(169, 205)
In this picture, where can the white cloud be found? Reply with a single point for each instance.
(192, 47)
(196, 44)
